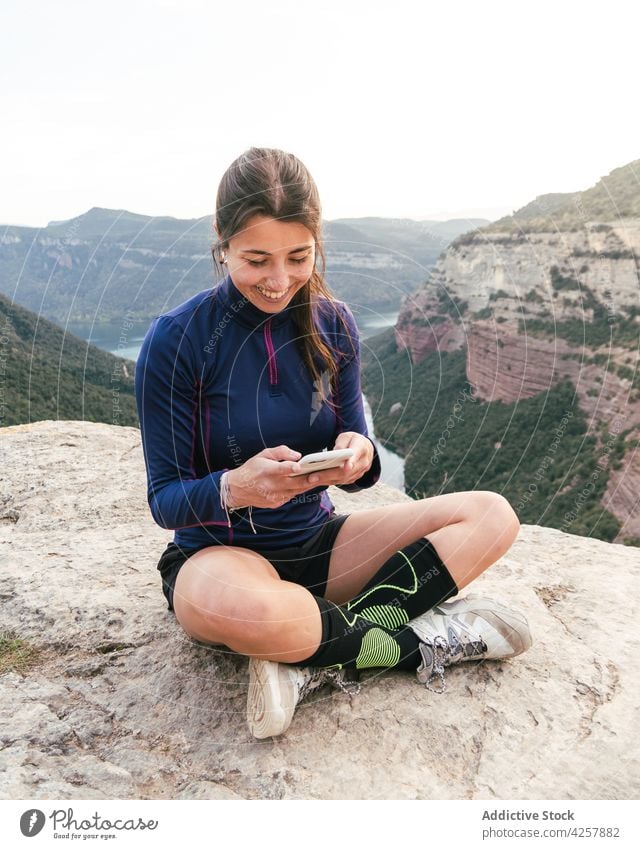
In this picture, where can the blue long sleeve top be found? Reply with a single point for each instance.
(218, 380)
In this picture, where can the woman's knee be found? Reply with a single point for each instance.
(496, 515)
(217, 599)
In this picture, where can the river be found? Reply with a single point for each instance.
(392, 465)
(125, 341)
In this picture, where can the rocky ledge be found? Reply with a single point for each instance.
(107, 698)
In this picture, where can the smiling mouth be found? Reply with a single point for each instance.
(272, 296)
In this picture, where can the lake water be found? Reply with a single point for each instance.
(392, 464)
(122, 339)
(125, 340)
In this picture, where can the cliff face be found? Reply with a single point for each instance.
(511, 275)
(422, 328)
(533, 309)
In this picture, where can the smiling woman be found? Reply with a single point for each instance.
(269, 226)
(281, 273)
(233, 387)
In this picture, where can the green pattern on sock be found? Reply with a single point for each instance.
(342, 613)
(386, 614)
(378, 649)
(371, 629)
(378, 587)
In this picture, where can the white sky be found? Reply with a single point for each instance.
(399, 109)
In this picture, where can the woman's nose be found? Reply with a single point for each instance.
(278, 278)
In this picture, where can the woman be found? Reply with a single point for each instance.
(233, 387)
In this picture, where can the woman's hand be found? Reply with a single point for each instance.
(265, 479)
(353, 468)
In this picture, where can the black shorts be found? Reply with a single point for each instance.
(306, 564)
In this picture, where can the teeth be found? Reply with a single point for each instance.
(270, 295)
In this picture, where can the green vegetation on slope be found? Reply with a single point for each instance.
(535, 452)
(596, 327)
(613, 197)
(46, 373)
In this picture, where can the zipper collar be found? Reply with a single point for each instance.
(244, 312)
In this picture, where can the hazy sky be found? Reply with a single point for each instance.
(401, 109)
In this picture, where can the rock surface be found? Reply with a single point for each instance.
(121, 704)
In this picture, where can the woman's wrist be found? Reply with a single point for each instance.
(373, 451)
(226, 499)
(231, 499)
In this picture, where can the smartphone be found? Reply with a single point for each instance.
(323, 460)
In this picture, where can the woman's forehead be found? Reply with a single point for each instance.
(271, 234)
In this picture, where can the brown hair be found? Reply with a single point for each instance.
(270, 182)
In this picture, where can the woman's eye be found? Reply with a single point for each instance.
(257, 262)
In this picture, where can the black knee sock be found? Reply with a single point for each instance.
(369, 630)
(349, 641)
(410, 582)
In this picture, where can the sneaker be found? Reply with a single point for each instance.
(275, 690)
(469, 628)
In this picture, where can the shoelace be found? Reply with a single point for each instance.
(328, 676)
(443, 655)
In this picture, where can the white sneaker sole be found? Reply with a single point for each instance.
(271, 699)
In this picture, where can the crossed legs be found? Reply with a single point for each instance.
(234, 596)
(469, 530)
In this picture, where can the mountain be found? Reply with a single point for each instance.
(46, 373)
(515, 366)
(615, 196)
(114, 265)
(104, 265)
(107, 264)
(418, 238)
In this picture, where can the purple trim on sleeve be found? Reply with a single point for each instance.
(194, 413)
(207, 430)
(198, 525)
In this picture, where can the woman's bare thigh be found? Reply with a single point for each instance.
(234, 596)
(469, 530)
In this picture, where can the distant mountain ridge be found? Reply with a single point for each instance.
(613, 197)
(106, 263)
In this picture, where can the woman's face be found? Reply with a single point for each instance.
(270, 260)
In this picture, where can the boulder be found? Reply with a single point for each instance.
(115, 701)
